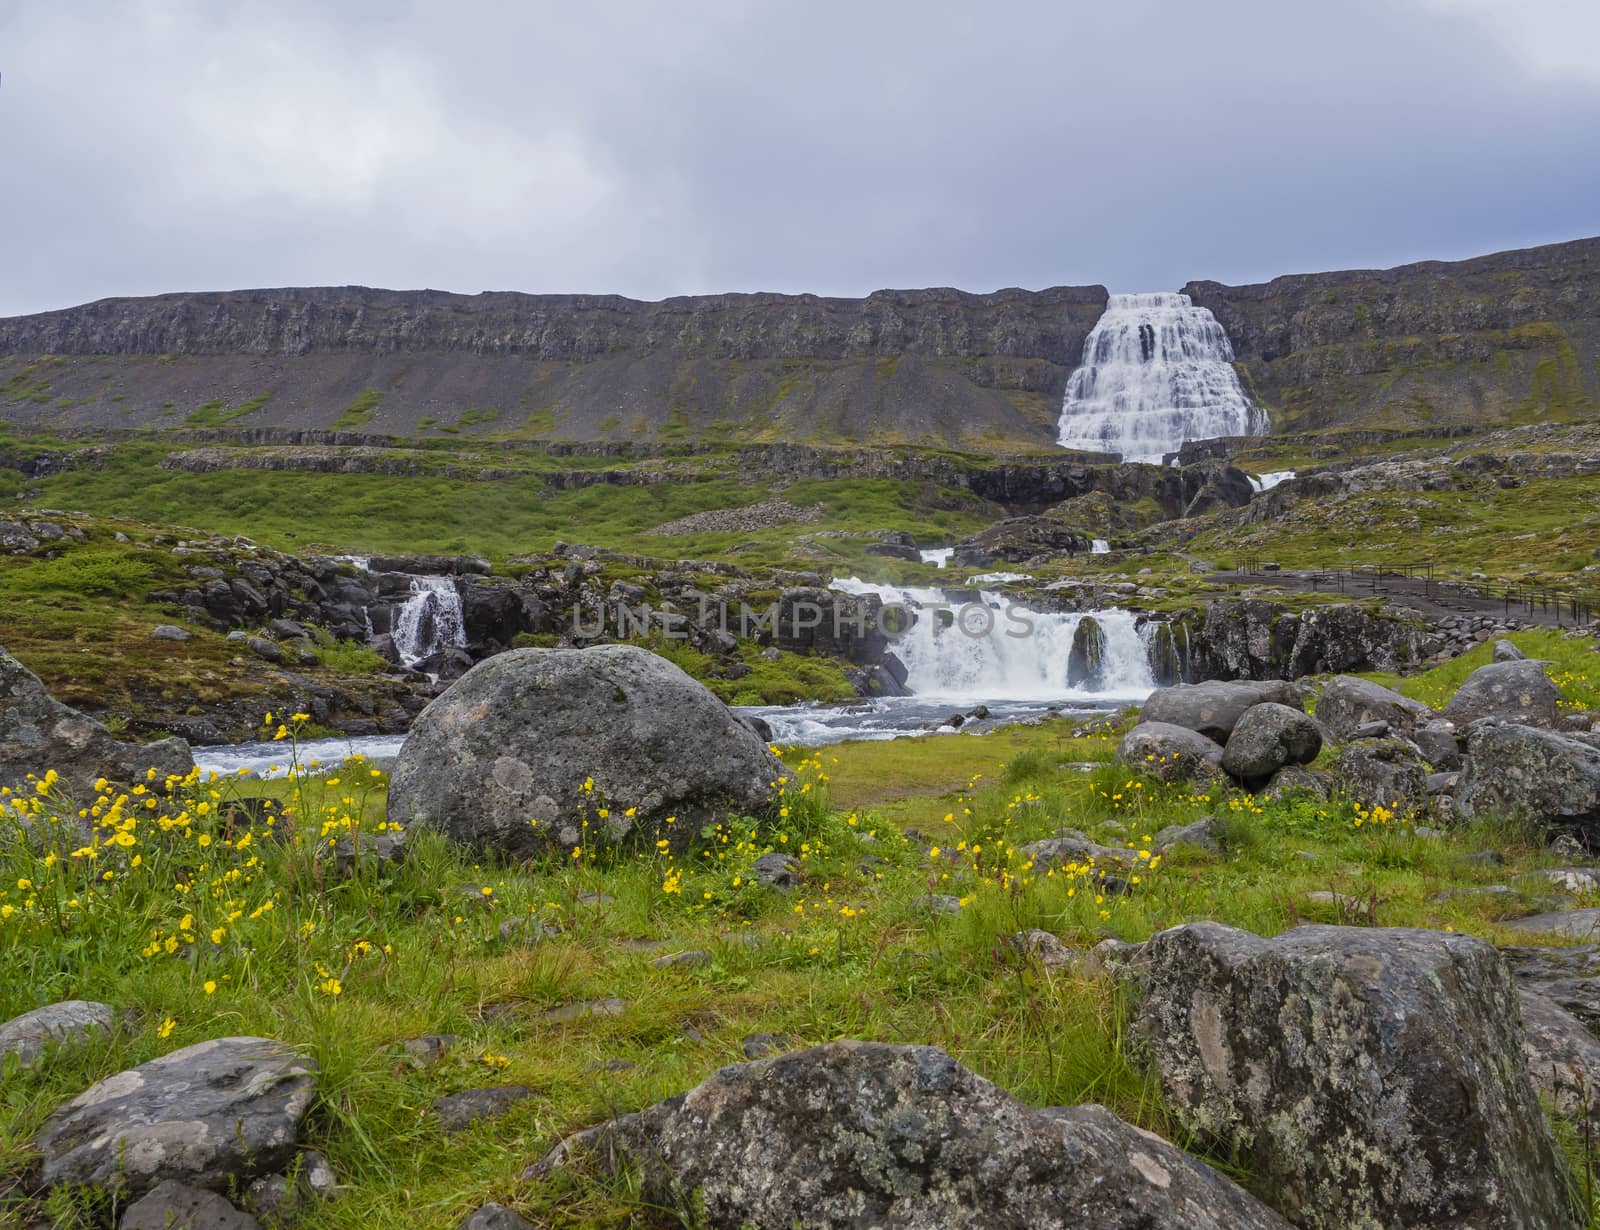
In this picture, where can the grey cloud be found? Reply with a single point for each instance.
(653, 150)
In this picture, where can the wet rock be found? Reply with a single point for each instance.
(39, 733)
(861, 1133)
(1170, 753)
(1213, 707)
(1348, 703)
(176, 1206)
(1267, 737)
(218, 1112)
(519, 735)
(71, 1021)
(1086, 660)
(1383, 772)
(1520, 772)
(1372, 1077)
(457, 1112)
(494, 1216)
(1511, 691)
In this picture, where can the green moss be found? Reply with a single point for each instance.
(359, 412)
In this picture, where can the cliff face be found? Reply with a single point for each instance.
(1508, 338)
(915, 366)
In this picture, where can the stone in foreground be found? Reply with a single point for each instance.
(1372, 1077)
(176, 1206)
(500, 760)
(70, 1021)
(210, 1115)
(1170, 753)
(1213, 708)
(867, 1134)
(38, 733)
(1267, 737)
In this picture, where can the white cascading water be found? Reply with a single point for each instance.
(429, 621)
(1099, 546)
(1157, 371)
(1269, 480)
(983, 662)
(937, 556)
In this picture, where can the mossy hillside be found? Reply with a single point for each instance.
(349, 969)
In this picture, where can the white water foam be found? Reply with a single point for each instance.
(1099, 546)
(1269, 480)
(1157, 371)
(430, 620)
(937, 556)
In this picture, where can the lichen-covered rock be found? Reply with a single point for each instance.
(867, 1134)
(1267, 737)
(1170, 753)
(38, 733)
(1293, 780)
(1439, 742)
(1086, 662)
(1213, 707)
(1511, 691)
(1519, 772)
(217, 1113)
(176, 1206)
(1567, 977)
(1373, 1077)
(72, 1020)
(1563, 1056)
(1383, 773)
(1348, 703)
(501, 760)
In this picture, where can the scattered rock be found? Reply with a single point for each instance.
(1570, 924)
(759, 1046)
(1170, 753)
(430, 1048)
(519, 735)
(940, 903)
(1044, 948)
(63, 1024)
(1212, 708)
(457, 1112)
(218, 1112)
(1511, 691)
(1201, 835)
(866, 1134)
(1295, 779)
(168, 632)
(1578, 881)
(38, 733)
(494, 1216)
(1568, 977)
(583, 1009)
(1348, 703)
(1505, 651)
(1563, 1056)
(1383, 772)
(1437, 741)
(1268, 736)
(774, 870)
(1373, 1077)
(695, 958)
(1519, 772)
(176, 1206)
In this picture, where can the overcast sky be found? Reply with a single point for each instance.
(654, 149)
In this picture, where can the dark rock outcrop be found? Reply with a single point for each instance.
(1372, 1077)
(861, 1133)
(527, 749)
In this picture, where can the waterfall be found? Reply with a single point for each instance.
(429, 621)
(1099, 546)
(1269, 480)
(979, 645)
(937, 556)
(1156, 371)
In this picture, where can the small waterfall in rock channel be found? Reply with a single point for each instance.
(999, 649)
(1157, 371)
(430, 620)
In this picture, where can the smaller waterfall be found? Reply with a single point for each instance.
(1099, 546)
(937, 556)
(429, 621)
(1269, 480)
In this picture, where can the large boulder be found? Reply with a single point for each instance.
(1371, 1077)
(1383, 773)
(1269, 736)
(1213, 707)
(1518, 772)
(1171, 753)
(1348, 703)
(1511, 691)
(502, 759)
(71, 1021)
(38, 733)
(867, 1134)
(214, 1115)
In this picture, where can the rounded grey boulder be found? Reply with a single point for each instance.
(1348, 703)
(1170, 753)
(1383, 773)
(1517, 691)
(868, 1134)
(500, 761)
(1520, 772)
(210, 1115)
(1268, 737)
(1211, 708)
(72, 1020)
